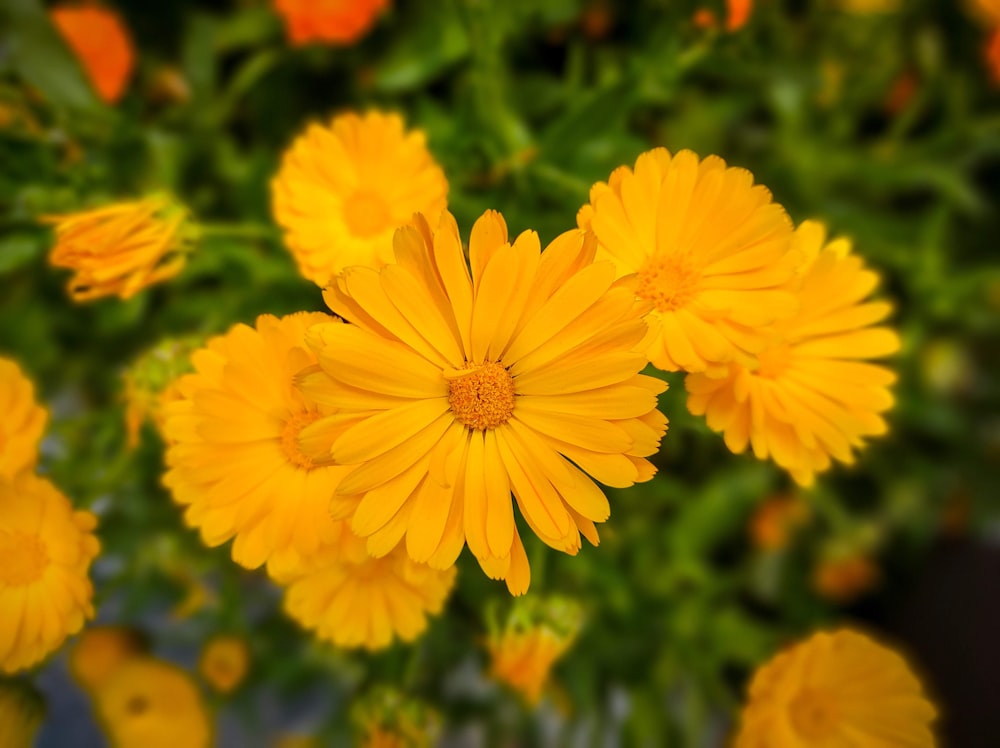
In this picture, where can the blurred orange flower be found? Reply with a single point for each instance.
(102, 43)
(774, 521)
(844, 578)
(100, 651)
(991, 53)
(737, 13)
(224, 662)
(329, 21)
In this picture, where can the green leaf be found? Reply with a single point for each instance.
(19, 249)
(434, 42)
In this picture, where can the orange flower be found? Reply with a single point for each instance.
(774, 521)
(330, 21)
(842, 579)
(737, 13)
(102, 43)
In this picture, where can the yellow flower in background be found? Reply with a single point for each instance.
(100, 651)
(21, 713)
(349, 598)
(385, 718)
(711, 250)
(122, 248)
(328, 21)
(224, 662)
(775, 520)
(836, 689)
(46, 548)
(453, 390)
(151, 383)
(343, 189)
(23, 421)
(148, 703)
(536, 635)
(233, 454)
(814, 396)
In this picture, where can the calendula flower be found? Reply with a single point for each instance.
(536, 635)
(738, 13)
(455, 389)
(836, 689)
(344, 189)
(21, 713)
(101, 42)
(150, 703)
(23, 421)
(812, 396)
(351, 599)
(151, 383)
(120, 249)
(46, 547)
(387, 719)
(843, 577)
(224, 662)
(711, 251)
(775, 520)
(328, 21)
(100, 651)
(233, 453)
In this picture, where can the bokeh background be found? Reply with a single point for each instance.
(881, 119)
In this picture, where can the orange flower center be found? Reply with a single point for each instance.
(25, 558)
(367, 213)
(774, 361)
(290, 438)
(814, 714)
(482, 397)
(668, 281)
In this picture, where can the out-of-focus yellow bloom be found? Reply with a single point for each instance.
(836, 689)
(537, 633)
(100, 651)
(343, 190)
(46, 548)
(23, 421)
(102, 43)
(386, 719)
(843, 577)
(775, 520)
(120, 249)
(224, 662)
(148, 703)
(151, 383)
(21, 713)
(328, 21)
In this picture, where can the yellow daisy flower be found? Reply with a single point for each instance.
(813, 395)
(120, 249)
(233, 454)
(349, 598)
(224, 662)
(343, 189)
(150, 703)
(454, 389)
(836, 689)
(710, 249)
(23, 421)
(21, 713)
(100, 651)
(46, 547)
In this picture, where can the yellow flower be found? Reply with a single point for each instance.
(836, 689)
(813, 396)
(233, 454)
(150, 383)
(46, 547)
(147, 703)
(711, 252)
(23, 421)
(120, 249)
(100, 651)
(349, 598)
(535, 636)
(224, 662)
(21, 713)
(342, 190)
(455, 389)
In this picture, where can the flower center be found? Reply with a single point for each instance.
(814, 714)
(290, 438)
(668, 281)
(774, 361)
(25, 558)
(366, 214)
(481, 396)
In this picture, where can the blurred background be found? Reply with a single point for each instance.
(880, 118)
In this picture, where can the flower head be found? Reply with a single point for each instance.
(835, 689)
(151, 383)
(122, 248)
(150, 703)
(344, 189)
(351, 599)
(23, 421)
(224, 662)
(813, 395)
(387, 719)
(710, 250)
(234, 457)
(100, 651)
(455, 389)
(46, 547)
(328, 21)
(102, 43)
(21, 713)
(738, 13)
